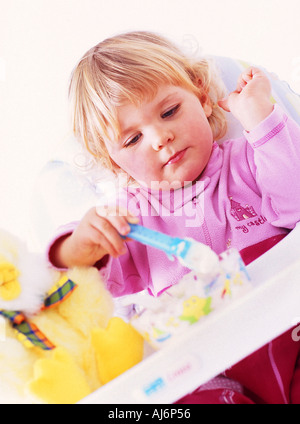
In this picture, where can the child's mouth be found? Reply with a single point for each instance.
(176, 158)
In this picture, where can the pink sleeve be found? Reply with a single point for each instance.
(61, 231)
(276, 156)
(122, 276)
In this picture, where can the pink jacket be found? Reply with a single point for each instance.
(248, 197)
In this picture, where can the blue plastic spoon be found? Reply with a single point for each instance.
(192, 254)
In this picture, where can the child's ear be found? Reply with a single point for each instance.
(207, 108)
(206, 104)
(205, 100)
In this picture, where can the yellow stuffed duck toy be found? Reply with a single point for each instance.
(59, 340)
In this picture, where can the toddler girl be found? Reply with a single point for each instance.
(142, 107)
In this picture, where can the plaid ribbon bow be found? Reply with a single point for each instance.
(28, 330)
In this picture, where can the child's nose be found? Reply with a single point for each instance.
(161, 138)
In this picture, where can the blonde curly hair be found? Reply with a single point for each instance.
(130, 68)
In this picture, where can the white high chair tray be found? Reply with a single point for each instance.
(222, 339)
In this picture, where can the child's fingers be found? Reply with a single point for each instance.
(119, 217)
(226, 101)
(108, 237)
(223, 103)
(246, 76)
(112, 225)
(245, 79)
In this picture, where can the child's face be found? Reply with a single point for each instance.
(167, 139)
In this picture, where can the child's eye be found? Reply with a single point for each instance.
(133, 140)
(170, 112)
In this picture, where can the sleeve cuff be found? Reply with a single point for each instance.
(268, 128)
(61, 232)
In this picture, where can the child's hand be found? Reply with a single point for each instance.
(250, 103)
(99, 233)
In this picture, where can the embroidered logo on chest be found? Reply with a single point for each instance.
(240, 212)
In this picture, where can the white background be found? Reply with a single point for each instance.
(41, 41)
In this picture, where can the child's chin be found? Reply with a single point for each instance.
(166, 185)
